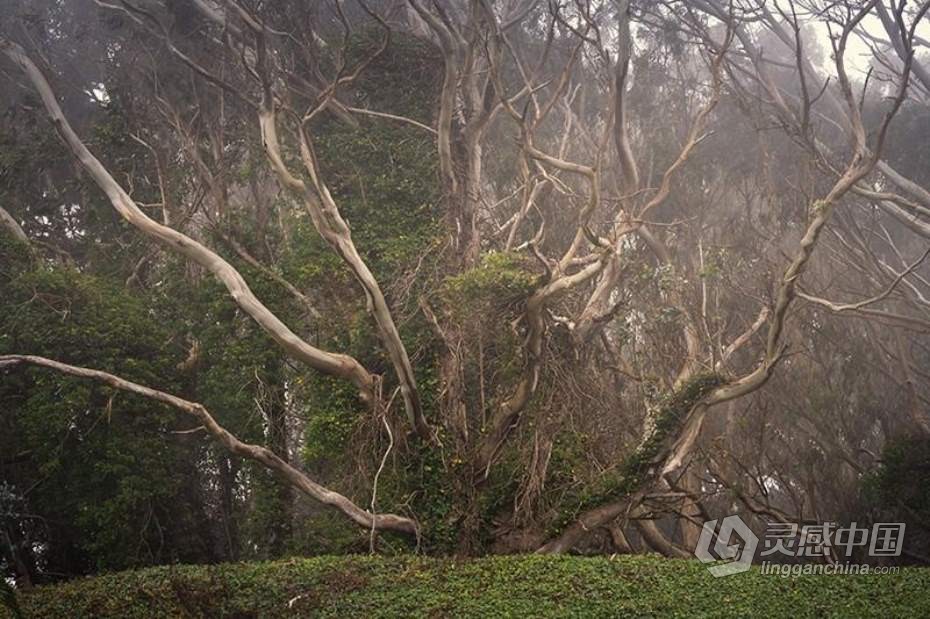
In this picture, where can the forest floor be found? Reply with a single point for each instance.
(512, 586)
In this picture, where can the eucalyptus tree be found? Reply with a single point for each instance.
(632, 197)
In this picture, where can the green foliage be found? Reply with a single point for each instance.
(239, 369)
(383, 178)
(15, 256)
(332, 417)
(909, 133)
(433, 499)
(401, 79)
(499, 278)
(103, 468)
(901, 483)
(672, 410)
(64, 209)
(513, 586)
(8, 600)
(569, 450)
(715, 263)
(382, 174)
(22, 146)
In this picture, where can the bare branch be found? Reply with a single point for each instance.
(331, 363)
(257, 453)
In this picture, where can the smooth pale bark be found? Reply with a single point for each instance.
(717, 8)
(679, 445)
(447, 97)
(257, 453)
(336, 364)
(621, 129)
(691, 511)
(329, 223)
(599, 301)
(272, 274)
(658, 541)
(12, 226)
(894, 36)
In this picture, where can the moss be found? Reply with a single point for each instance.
(637, 468)
(513, 586)
(14, 253)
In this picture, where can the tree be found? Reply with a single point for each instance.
(587, 280)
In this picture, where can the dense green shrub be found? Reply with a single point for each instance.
(514, 586)
(902, 481)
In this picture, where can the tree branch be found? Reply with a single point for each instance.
(336, 364)
(257, 453)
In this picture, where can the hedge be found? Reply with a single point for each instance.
(512, 586)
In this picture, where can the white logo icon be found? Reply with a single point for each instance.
(739, 558)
